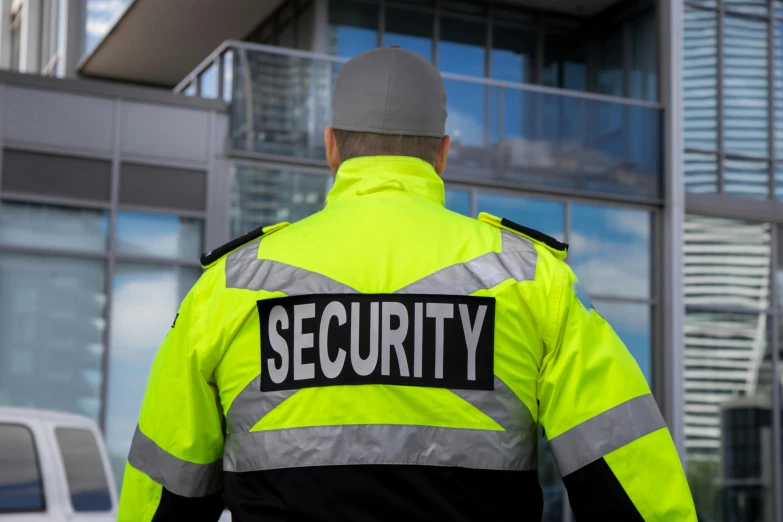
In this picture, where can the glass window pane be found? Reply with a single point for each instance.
(564, 62)
(541, 215)
(101, 16)
(727, 413)
(701, 172)
(462, 45)
(145, 302)
(228, 75)
(643, 73)
(84, 470)
(458, 201)
(190, 90)
(779, 181)
(631, 322)
(20, 478)
(513, 54)
(353, 27)
(265, 196)
(464, 7)
(465, 121)
(410, 30)
(305, 24)
(778, 83)
(727, 263)
(746, 178)
(66, 228)
(699, 78)
(746, 114)
(159, 235)
(610, 250)
(610, 64)
(747, 6)
(208, 87)
(68, 296)
(511, 15)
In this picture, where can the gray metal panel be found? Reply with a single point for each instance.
(162, 187)
(164, 132)
(57, 118)
(56, 175)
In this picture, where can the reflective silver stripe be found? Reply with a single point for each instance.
(244, 270)
(377, 444)
(516, 260)
(514, 448)
(605, 433)
(176, 475)
(251, 405)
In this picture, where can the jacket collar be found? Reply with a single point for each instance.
(362, 176)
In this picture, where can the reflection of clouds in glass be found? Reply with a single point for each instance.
(611, 268)
(631, 322)
(610, 250)
(101, 16)
(465, 128)
(145, 301)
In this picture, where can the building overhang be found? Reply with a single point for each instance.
(159, 42)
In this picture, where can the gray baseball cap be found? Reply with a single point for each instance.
(390, 91)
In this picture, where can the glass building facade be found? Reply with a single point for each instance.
(647, 134)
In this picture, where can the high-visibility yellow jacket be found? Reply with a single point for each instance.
(387, 359)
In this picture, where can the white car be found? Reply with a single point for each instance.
(53, 468)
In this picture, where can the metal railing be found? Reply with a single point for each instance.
(501, 131)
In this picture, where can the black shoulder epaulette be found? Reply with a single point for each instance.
(210, 257)
(535, 234)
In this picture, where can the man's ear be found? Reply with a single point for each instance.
(443, 155)
(332, 153)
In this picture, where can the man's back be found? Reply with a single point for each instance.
(419, 449)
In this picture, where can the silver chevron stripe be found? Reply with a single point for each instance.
(251, 405)
(244, 270)
(181, 477)
(605, 433)
(517, 260)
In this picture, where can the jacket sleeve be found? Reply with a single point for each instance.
(174, 469)
(609, 440)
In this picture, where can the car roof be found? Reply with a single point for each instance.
(9, 413)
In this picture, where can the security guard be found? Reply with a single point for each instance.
(387, 359)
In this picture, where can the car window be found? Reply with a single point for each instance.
(20, 476)
(84, 468)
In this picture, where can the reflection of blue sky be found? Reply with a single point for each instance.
(101, 15)
(631, 322)
(352, 41)
(416, 44)
(460, 58)
(544, 216)
(458, 201)
(465, 121)
(160, 235)
(610, 250)
(145, 300)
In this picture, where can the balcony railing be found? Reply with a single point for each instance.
(502, 133)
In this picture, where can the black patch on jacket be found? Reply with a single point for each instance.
(400, 339)
(174, 508)
(535, 234)
(596, 495)
(210, 257)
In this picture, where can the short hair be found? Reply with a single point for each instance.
(351, 144)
